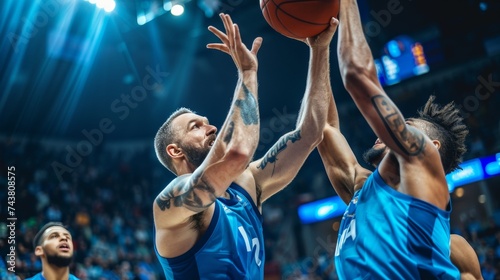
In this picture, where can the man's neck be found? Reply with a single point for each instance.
(52, 272)
(389, 170)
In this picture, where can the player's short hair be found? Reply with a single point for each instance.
(165, 136)
(446, 126)
(38, 237)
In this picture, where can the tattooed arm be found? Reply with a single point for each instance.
(282, 162)
(359, 75)
(232, 150)
(414, 151)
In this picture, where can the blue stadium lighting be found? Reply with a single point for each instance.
(483, 6)
(472, 171)
(107, 5)
(177, 10)
(321, 210)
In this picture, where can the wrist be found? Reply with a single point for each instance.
(320, 48)
(248, 72)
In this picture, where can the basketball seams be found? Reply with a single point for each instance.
(300, 24)
(295, 17)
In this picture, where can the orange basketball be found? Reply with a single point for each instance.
(299, 18)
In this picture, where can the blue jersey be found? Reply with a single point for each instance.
(231, 248)
(39, 276)
(385, 234)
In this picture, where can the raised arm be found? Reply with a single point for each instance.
(282, 162)
(344, 172)
(359, 75)
(410, 145)
(464, 258)
(233, 148)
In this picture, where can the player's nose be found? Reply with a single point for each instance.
(211, 129)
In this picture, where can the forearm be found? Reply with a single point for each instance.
(355, 56)
(314, 108)
(360, 79)
(240, 131)
(333, 115)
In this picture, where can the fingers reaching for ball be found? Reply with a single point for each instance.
(231, 43)
(324, 38)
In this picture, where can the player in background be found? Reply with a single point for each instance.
(54, 246)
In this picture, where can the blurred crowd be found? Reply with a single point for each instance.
(105, 202)
(106, 198)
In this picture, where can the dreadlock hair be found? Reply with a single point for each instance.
(165, 136)
(446, 126)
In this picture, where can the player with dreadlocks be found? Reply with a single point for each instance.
(396, 225)
(347, 175)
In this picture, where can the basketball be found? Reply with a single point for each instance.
(299, 18)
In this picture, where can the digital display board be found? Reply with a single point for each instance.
(402, 58)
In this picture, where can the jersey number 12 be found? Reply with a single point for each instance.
(255, 242)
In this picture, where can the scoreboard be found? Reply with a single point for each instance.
(402, 58)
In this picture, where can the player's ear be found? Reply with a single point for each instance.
(38, 251)
(437, 144)
(174, 151)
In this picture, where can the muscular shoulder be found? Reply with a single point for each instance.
(421, 177)
(464, 257)
(175, 241)
(247, 181)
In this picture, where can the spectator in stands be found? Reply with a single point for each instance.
(53, 244)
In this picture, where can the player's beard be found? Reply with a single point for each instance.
(195, 156)
(373, 156)
(59, 261)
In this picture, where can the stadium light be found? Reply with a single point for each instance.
(177, 10)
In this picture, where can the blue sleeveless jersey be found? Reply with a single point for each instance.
(231, 248)
(385, 234)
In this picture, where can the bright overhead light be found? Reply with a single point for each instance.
(109, 5)
(177, 10)
(100, 3)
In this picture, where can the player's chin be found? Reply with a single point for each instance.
(380, 146)
(65, 253)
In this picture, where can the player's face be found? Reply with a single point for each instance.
(57, 246)
(197, 137)
(375, 154)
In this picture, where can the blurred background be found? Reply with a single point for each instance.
(86, 84)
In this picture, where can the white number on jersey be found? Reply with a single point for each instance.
(255, 243)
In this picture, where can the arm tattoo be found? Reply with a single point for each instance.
(186, 194)
(281, 145)
(229, 133)
(248, 108)
(410, 142)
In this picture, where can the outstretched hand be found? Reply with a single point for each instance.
(324, 38)
(244, 58)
